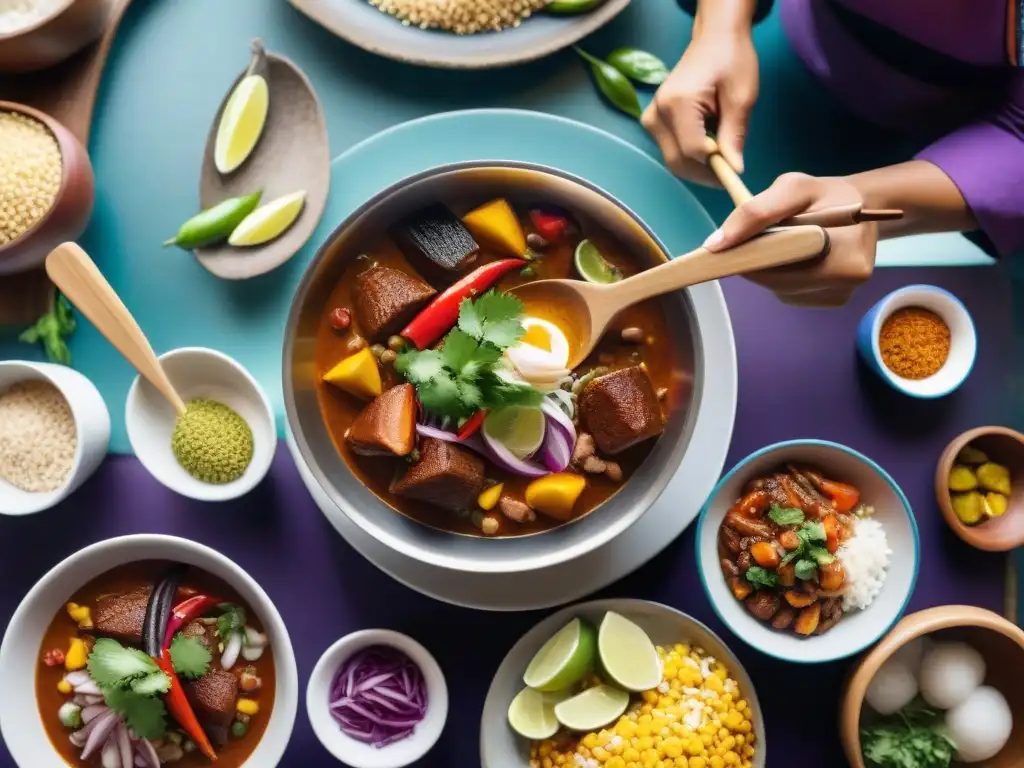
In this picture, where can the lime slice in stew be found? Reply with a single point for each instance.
(593, 267)
(532, 713)
(564, 659)
(627, 654)
(518, 428)
(593, 709)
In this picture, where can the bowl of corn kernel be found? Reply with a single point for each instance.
(621, 684)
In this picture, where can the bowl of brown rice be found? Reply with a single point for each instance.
(54, 432)
(46, 187)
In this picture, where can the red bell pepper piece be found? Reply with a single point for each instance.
(549, 224)
(180, 709)
(442, 313)
(473, 423)
(187, 610)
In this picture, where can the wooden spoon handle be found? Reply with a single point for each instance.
(78, 278)
(774, 248)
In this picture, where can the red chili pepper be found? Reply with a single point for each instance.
(180, 709)
(551, 226)
(473, 423)
(442, 313)
(187, 610)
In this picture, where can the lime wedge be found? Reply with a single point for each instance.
(593, 267)
(532, 713)
(241, 123)
(518, 428)
(565, 659)
(593, 709)
(627, 654)
(269, 220)
(572, 6)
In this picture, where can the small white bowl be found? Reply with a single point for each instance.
(857, 630)
(356, 753)
(197, 372)
(963, 342)
(21, 726)
(92, 427)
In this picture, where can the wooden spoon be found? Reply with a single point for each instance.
(80, 280)
(590, 307)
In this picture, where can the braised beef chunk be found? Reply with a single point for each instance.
(386, 299)
(387, 426)
(213, 698)
(436, 242)
(202, 632)
(122, 616)
(446, 475)
(620, 409)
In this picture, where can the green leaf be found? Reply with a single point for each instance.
(190, 656)
(146, 715)
(805, 569)
(912, 738)
(791, 556)
(821, 555)
(613, 84)
(51, 330)
(761, 577)
(151, 685)
(459, 350)
(232, 620)
(812, 532)
(441, 396)
(113, 665)
(470, 394)
(419, 367)
(493, 318)
(471, 321)
(641, 66)
(786, 515)
(501, 391)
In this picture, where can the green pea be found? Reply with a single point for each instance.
(238, 729)
(214, 224)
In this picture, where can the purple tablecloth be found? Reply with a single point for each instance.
(798, 378)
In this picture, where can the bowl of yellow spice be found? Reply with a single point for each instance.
(920, 340)
(222, 446)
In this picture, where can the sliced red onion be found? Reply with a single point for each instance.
(78, 677)
(436, 433)
(86, 700)
(564, 401)
(124, 745)
(88, 688)
(558, 417)
(90, 713)
(140, 762)
(505, 459)
(98, 731)
(231, 651)
(556, 451)
(147, 752)
(111, 757)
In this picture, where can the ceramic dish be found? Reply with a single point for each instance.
(21, 726)
(1004, 446)
(501, 747)
(999, 642)
(199, 372)
(356, 753)
(71, 26)
(359, 23)
(857, 630)
(963, 346)
(92, 429)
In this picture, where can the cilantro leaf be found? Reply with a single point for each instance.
(470, 393)
(912, 738)
(151, 685)
(805, 569)
(821, 555)
(791, 556)
(502, 391)
(786, 515)
(190, 656)
(812, 532)
(52, 329)
(146, 715)
(493, 318)
(112, 665)
(419, 367)
(459, 350)
(471, 321)
(442, 396)
(232, 620)
(760, 577)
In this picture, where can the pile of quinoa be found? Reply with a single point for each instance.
(30, 174)
(463, 17)
(38, 438)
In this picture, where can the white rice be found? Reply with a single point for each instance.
(865, 557)
(16, 15)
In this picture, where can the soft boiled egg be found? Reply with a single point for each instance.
(542, 355)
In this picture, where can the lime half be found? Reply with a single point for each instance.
(593, 709)
(627, 654)
(564, 659)
(241, 123)
(518, 428)
(269, 221)
(532, 713)
(593, 267)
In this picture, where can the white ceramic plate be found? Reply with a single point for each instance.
(858, 629)
(501, 747)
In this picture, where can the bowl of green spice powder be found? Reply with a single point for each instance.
(223, 444)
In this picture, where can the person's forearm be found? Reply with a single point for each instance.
(728, 16)
(929, 199)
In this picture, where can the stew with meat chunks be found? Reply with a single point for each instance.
(155, 664)
(453, 401)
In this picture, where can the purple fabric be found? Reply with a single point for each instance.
(324, 589)
(984, 151)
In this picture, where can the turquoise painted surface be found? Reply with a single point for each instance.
(173, 61)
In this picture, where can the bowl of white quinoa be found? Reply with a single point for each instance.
(36, 34)
(54, 432)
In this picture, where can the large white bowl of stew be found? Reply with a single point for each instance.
(147, 650)
(489, 477)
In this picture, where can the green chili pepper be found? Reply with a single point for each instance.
(641, 66)
(613, 84)
(51, 330)
(214, 224)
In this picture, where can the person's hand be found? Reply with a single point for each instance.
(825, 281)
(714, 85)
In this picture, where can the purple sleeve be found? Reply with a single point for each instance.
(985, 159)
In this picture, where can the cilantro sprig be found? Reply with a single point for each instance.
(761, 577)
(131, 681)
(190, 656)
(230, 621)
(811, 553)
(465, 374)
(52, 331)
(913, 738)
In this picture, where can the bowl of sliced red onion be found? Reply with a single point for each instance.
(377, 699)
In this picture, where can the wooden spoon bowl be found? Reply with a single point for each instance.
(1000, 642)
(50, 41)
(1003, 446)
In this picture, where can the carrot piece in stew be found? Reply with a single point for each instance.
(799, 599)
(754, 504)
(765, 554)
(808, 620)
(831, 523)
(740, 587)
(844, 496)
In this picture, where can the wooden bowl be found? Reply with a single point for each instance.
(50, 41)
(1004, 446)
(71, 209)
(1000, 642)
